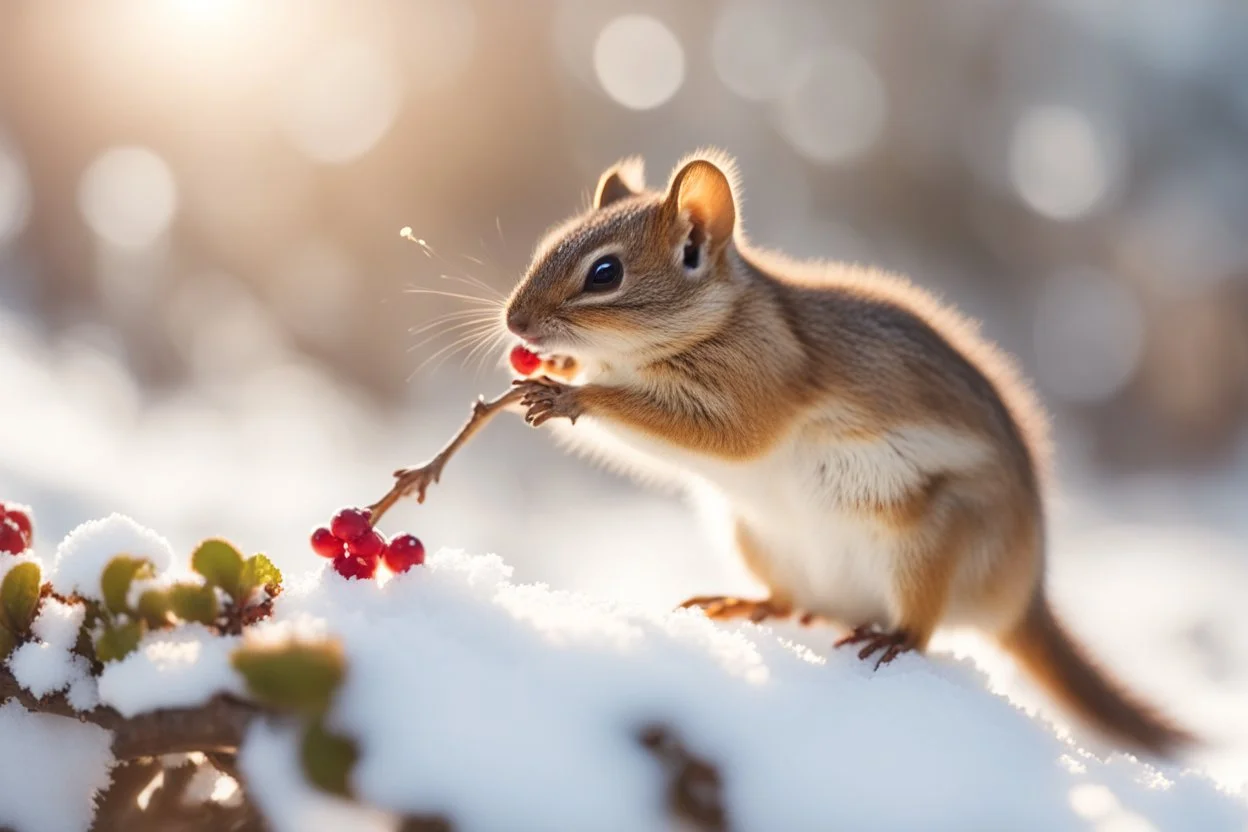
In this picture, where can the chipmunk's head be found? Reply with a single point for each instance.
(640, 273)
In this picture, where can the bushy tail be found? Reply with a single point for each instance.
(1044, 649)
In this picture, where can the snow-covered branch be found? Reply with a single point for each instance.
(218, 726)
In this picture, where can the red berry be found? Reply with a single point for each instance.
(11, 538)
(19, 518)
(350, 566)
(325, 544)
(350, 523)
(523, 361)
(404, 552)
(370, 545)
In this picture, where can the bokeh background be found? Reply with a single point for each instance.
(208, 319)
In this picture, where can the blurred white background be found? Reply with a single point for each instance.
(206, 322)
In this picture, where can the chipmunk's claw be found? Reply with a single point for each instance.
(725, 607)
(892, 643)
(545, 399)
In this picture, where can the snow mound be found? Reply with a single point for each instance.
(503, 706)
(44, 668)
(58, 623)
(50, 770)
(179, 668)
(83, 554)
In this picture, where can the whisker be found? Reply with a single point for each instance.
(475, 282)
(484, 348)
(469, 298)
(470, 314)
(498, 342)
(478, 326)
(455, 346)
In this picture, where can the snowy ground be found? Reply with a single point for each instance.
(1151, 574)
(506, 706)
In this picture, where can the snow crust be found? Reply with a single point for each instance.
(492, 702)
(50, 770)
(179, 668)
(83, 554)
(502, 705)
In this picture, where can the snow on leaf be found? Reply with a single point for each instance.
(59, 623)
(83, 554)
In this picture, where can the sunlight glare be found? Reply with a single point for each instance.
(1092, 800)
(639, 61)
(1089, 336)
(1059, 163)
(835, 107)
(128, 196)
(343, 103)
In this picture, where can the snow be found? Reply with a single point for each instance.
(8, 561)
(269, 762)
(43, 668)
(50, 769)
(58, 623)
(46, 664)
(84, 693)
(178, 668)
(83, 554)
(463, 685)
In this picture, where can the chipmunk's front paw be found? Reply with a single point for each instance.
(546, 399)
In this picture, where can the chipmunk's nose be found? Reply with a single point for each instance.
(522, 324)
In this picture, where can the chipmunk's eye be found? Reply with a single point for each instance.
(605, 274)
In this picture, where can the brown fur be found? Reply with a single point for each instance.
(718, 348)
(1042, 646)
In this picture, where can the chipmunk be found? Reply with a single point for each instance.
(882, 462)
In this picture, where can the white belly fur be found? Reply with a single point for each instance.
(828, 558)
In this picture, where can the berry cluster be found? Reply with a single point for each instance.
(16, 528)
(356, 548)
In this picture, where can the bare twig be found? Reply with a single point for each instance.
(417, 480)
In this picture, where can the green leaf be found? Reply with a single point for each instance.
(295, 676)
(116, 579)
(258, 571)
(116, 641)
(7, 642)
(220, 564)
(193, 602)
(154, 607)
(19, 596)
(327, 759)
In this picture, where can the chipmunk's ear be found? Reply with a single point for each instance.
(625, 178)
(701, 204)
